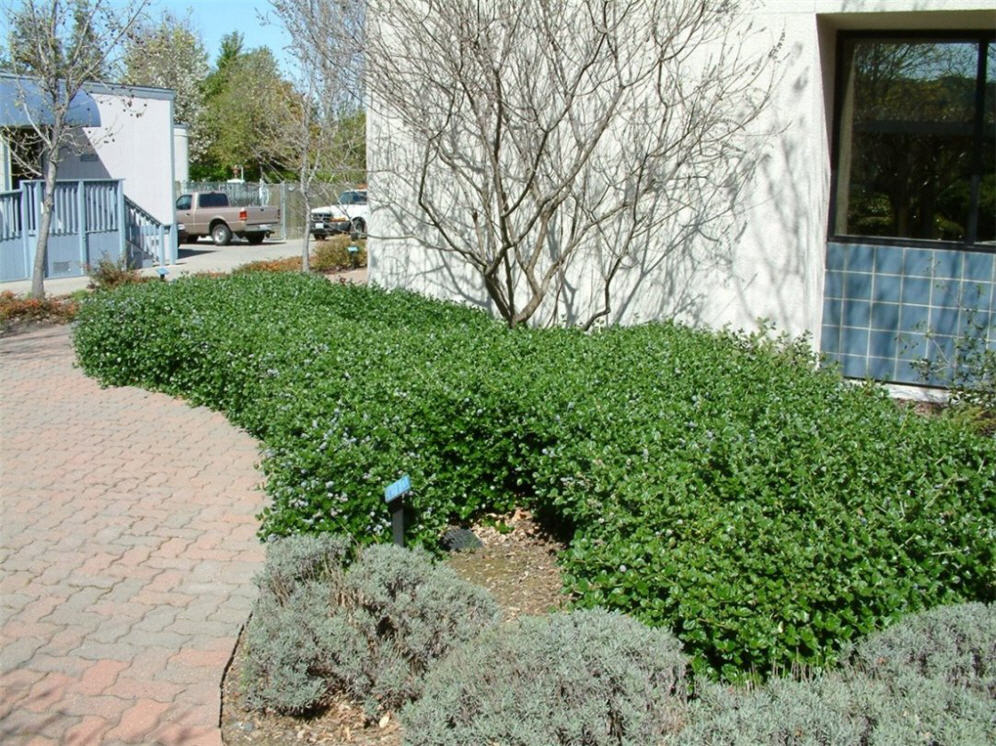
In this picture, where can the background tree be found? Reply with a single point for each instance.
(246, 101)
(169, 53)
(527, 133)
(61, 46)
(232, 47)
(326, 131)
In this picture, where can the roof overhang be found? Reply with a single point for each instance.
(23, 103)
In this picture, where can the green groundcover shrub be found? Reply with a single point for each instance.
(584, 677)
(716, 484)
(368, 627)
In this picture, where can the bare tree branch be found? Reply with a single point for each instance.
(554, 131)
(327, 39)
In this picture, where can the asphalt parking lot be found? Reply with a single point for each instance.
(193, 258)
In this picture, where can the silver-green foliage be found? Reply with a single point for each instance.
(586, 677)
(296, 560)
(368, 630)
(954, 643)
(913, 709)
(783, 711)
(925, 680)
(840, 709)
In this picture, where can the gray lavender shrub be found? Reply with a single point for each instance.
(298, 652)
(913, 709)
(783, 711)
(367, 630)
(926, 680)
(294, 560)
(840, 709)
(586, 677)
(423, 608)
(954, 643)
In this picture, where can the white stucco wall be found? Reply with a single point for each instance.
(776, 271)
(181, 153)
(134, 143)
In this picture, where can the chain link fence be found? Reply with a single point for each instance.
(285, 195)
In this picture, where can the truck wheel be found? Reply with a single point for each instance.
(359, 227)
(220, 234)
(255, 238)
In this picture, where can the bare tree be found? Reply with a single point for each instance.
(60, 46)
(542, 133)
(326, 47)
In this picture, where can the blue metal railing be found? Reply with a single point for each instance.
(92, 219)
(146, 236)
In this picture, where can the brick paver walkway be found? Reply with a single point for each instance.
(127, 550)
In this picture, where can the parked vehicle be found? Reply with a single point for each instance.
(209, 214)
(348, 215)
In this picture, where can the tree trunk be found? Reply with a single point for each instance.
(306, 250)
(44, 228)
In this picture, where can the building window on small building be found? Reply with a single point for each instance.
(916, 139)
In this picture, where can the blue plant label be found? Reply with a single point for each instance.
(396, 490)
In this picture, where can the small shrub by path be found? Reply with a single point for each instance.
(713, 484)
(585, 677)
(332, 255)
(18, 312)
(327, 623)
(582, 677)
(108, 275)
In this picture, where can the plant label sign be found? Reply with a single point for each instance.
(392, 496)
(397, 489)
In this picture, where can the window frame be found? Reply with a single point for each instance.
(979, 36)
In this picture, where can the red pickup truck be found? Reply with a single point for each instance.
(209, 214)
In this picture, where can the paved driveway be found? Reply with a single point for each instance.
(192, 258)
(127, 549)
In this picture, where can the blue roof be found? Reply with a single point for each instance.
(23, 104)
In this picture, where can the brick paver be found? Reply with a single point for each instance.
(127, 550)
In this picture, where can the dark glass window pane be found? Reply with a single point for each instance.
(907, 139)
(987, 191)
(212, 199)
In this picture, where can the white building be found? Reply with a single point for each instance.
(871, 222)
(115, 182)
(134, 143)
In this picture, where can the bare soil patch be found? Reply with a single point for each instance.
(517, 564)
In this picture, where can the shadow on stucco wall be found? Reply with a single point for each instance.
(661, 281)
(778, 275)
(664, 277)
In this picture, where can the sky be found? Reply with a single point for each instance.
(213, 19)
